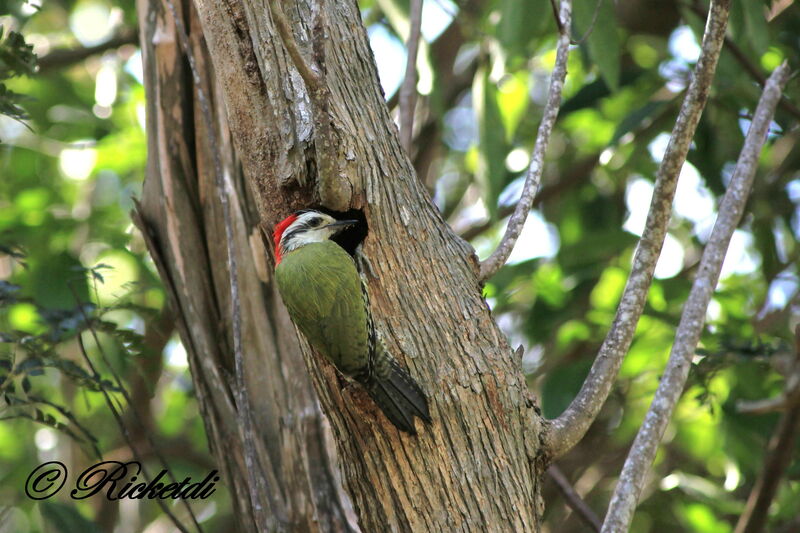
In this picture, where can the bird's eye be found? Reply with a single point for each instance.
(314, 222)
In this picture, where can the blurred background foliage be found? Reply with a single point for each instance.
(71, 263)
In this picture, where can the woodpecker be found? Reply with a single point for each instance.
(323, 292)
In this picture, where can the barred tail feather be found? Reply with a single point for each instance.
(398, 396)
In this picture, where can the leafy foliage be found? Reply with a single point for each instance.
(16, 59)
(65, 197)
(27, 356)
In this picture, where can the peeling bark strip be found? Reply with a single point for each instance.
(266, 517)
(670, 387)
(566, 430)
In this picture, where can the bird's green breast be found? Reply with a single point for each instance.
(321, 289)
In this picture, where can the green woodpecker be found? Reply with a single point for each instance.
(326, 300)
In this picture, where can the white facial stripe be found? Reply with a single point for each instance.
(300, 232)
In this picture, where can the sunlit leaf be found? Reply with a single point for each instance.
(602, 42)
(492, 148)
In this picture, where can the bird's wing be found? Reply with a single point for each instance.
(321, 288)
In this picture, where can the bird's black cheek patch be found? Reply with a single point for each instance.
(349, 238)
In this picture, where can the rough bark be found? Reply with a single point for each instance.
(477, 467)
(180, 218)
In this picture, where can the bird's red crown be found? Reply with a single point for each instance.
(280, 227)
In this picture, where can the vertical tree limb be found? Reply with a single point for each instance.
(751, 68)
(182, 224)
(566, 430)
(274, 516)
(408, 90)
(497, 259)
(643, 451)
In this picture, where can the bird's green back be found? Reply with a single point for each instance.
(321, 288)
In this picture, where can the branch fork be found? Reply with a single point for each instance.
(566, 430)
(670, 388)
(533, 176)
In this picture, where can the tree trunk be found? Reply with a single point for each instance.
(180, 217)
(478, 467)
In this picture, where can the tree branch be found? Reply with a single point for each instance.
(566, 430)
(670, 388)
(751, 68)
(534, 174)
(124, 429)
(778, 456)
(573, 499)
(408, 91)
(65, 57)
(575, 175)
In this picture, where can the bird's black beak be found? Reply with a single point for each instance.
(341, 224)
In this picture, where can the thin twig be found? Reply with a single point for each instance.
(124, 429)
(573, 499)
(65, 57)
(132, 408)
(589, 30)
(256, 480)
(408, 90)
(559, 24)
(782, 401)
(313, 81)
(534, 174)
(566, 430)
(763, 406)
(670, 388)
(777, 459)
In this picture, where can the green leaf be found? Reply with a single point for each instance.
(492, 149)
(635, 118)
(16, 59)
(756, 23)
(520, 22)
(16, 56)
(53, 287)
(513, 101)
(65, 518)
(31, 365)
(66, 413)
(603, 42)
